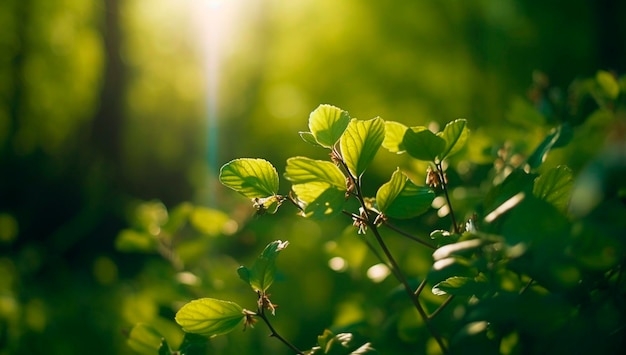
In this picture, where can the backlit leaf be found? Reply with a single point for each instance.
(394, 133)
(460, 286)
(261, 275)
(327, 123)
(253, 178)
(144, 339)
(309, 138)
(423, 144)
(210, 317)
(129, 240)
(302, 170)
(178, 217)
(208, 221)
(559, 136)
(401, 198)
(608, 84)
(360, 142)
(455, 134)
(555, 186)
(319, 199)
(340, 344)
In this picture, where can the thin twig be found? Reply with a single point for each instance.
(444, 187)
(275, 334)
(530, 282)
(420, 287)
(392, 261)
(441, 307)
(407, 235)
(407, 288)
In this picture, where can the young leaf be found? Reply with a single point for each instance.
(608, 84)
(244, 274)
(130, 240)
(455, 134)
(319, 199)
(178, 217)
(164, 349)
(460, 286)
(253, 178)
(302, 170)
(340, 344)
(557, 138)
(144, 339)
(360, 142)
(423, 144)
(210, 317)
(327, 124)
(208, 221)
(309, 138)
(261, 275)
(401, 198)
(555, 186)
(394, 133)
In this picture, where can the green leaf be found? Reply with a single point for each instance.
(208, 221)
(360, 142)
(302, 170)
(460, 286)
(165, 348)
(608, 84)
(423, 144)
(557, 138)
(244, 274)
(150, 216)
(309, 138)
(193, 344)
(320, 200)
(340, 344)
(178, 217)
(129, 240)
(400, 198)
(144, 339)
(462, 247)
(555, 186)
(455, 134)
(261, 275)
(253, 178)
(517, 181)
(394, 133)
(327, 123)
(523, 113)
(210, 317)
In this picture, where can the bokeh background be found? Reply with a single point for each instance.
(114, 114)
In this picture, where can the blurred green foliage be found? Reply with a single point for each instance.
(115, 115)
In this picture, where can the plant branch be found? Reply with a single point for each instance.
(441, 307)
(392, 261)
(420, 287)
(407, 235)
(527, 286)
(444, 187)
(275, 334)
(400, 276)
